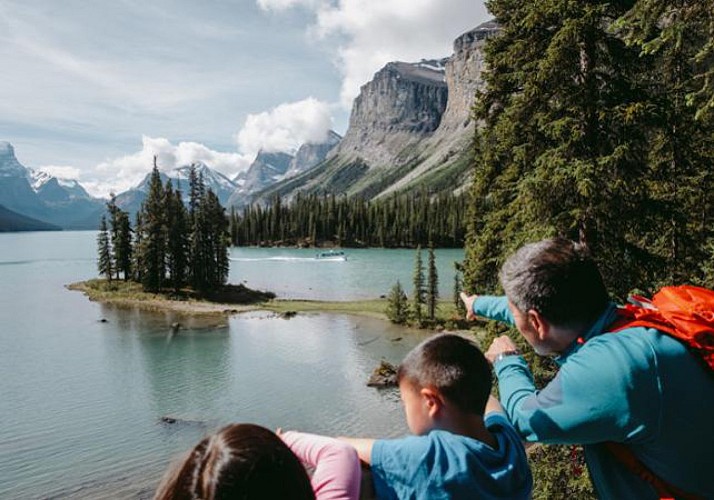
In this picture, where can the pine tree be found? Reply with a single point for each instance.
(120, 239)
(676, 40)
(564, 146)
(114, 211)
(123, 249)
(397, 305)
(153, 248)
(432, 289)
(458, 288)
(418, 283)
(217, 239)
(177, 237)
(104, 261)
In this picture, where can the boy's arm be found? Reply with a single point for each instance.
(363, 447)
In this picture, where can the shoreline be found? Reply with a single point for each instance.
(133, 298)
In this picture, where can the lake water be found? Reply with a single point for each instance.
(81, 400)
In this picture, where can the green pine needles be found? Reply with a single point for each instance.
(597, 124)
(171, 246)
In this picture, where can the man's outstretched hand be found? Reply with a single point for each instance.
(468, 301)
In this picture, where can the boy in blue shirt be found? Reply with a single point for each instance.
(445, 385)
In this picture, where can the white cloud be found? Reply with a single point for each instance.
(285, 127)
(119, 174)
(61, 172)
(372, 33)
(278, 5)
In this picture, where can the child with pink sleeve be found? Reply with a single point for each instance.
(337, 473)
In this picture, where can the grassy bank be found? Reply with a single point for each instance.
(238, 299)
(234, 299)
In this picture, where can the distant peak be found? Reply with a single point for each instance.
(6, 149)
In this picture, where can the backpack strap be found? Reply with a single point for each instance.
(665, 490)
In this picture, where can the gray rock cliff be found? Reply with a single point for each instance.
(410, 127)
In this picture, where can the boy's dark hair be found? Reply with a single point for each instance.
(559, 279)
(454, 366)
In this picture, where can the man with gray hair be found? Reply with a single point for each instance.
(636, 395)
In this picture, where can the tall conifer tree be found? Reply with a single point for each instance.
(153, 250)
(564, 146)
(418, 283)
(104, 261)
(432, 289)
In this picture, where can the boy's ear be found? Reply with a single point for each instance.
(433, 400)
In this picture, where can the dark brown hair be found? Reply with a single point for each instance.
(454, 366)
(240, 461)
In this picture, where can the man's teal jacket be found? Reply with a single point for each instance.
(638, 386)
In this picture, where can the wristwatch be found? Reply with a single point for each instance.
(504, 354)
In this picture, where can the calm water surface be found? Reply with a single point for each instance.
(81, 400)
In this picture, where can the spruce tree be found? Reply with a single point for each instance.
(432, 289)
(217, 240)
(397, 305)
(123, 249)
(676, 40)
(563, 150)
(177, 237)
(458, 288)
(104, 261)
(114, 211)
(418, 283)
(197, 237)
(153, 249)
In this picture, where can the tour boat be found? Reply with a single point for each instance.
(331, 255)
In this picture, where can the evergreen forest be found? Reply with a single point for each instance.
(403, 220)
(171, 246)
(597, 124)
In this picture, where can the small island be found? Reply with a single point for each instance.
(227, 299)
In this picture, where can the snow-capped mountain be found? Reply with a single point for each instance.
(221, 185)
(269, 168)
(35, 194)
(54, 189)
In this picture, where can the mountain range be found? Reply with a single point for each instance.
(50, 200)
(410, 128)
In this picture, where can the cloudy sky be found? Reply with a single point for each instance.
(93, 89)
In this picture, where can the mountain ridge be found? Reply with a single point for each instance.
(410, 127)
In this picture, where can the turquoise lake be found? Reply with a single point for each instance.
(81, 400)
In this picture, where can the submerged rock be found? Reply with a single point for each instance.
(385, 375)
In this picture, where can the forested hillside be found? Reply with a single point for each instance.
(312, 220)
(597, 125)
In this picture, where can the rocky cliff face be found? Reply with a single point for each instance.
(309, 155)
(401, 102)
(410, 126)
(269, 169)
(448, 149)
(464, 76)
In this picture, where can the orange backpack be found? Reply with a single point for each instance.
(685, 312)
